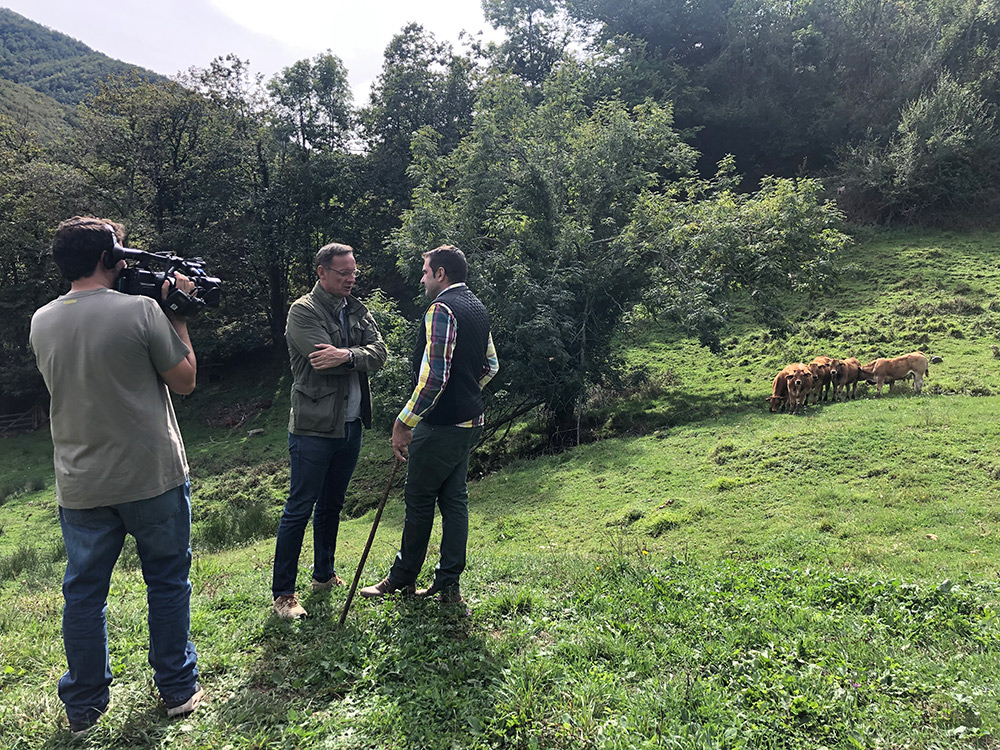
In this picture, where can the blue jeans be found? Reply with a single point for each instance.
(436, 473)
(321, 470)
(94, 537)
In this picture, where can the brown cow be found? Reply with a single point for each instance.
(846, 381)
(779, 392)
(888, 370)
(828, 371)
(820, 369)
(799, 382)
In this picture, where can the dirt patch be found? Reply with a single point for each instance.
(234, 415)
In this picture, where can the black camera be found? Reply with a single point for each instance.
(141, 279)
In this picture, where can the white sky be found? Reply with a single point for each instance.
(168, 36)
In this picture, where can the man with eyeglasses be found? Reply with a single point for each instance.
(333, 343)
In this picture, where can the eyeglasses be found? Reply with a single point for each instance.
(344, 274)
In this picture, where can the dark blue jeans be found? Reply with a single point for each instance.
(321, 470)
(94, 537)
(436, 472)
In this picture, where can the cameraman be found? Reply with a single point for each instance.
(107, 359)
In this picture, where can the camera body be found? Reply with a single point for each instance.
(141, 279)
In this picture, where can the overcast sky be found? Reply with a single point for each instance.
(173, 35)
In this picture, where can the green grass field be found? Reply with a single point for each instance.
(710, 575)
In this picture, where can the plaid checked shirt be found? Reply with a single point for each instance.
(435, 366)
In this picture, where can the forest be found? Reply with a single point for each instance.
(691, 158)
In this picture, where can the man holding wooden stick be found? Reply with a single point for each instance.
(437, 429)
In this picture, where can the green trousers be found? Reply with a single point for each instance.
(436, 471)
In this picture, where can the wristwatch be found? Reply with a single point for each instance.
(350, 362)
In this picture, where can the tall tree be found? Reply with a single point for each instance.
(537, 37)
(36, 192)
(538, 196)
(423, 83)
(312, 101)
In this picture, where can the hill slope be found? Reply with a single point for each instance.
(731, 579)
(38, 112)
(52, 63)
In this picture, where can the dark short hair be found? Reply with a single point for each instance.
(451, 259)
(328, 252)
(79, 243)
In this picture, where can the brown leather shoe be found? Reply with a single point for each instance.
(450, 595)
(384, 587)
(329, 584)
(287, 606)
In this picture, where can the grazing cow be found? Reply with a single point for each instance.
(779, 392)
(888, 370)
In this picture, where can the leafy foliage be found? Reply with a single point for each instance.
(537, 196)
(943, 157)
(36, 192)
(713, 246)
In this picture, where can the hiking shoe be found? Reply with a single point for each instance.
(180, 709)
(385, 587)
(450, 595)
(82, 728)
(287, 607)
(335, 580)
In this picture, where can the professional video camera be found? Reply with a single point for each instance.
(141, 279)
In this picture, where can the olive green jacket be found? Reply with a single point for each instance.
(319, 397)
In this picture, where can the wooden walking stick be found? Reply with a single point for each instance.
(371, 538)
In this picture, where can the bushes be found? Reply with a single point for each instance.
(719, 246)
(944, 157)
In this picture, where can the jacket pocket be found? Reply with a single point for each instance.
(314, 408)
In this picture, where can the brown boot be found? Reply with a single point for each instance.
(287, 607)
(384, 587)
(335, 580)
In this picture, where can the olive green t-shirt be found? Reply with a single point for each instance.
(114, 431)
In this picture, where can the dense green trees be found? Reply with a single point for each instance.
(538, 197)
(605, 154)
(53, 63)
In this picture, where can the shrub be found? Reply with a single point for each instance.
(944, 157)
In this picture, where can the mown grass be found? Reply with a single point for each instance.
(729, 578)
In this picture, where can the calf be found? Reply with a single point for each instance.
(779, 392)
(820, 369)
(799, 383)
(888, 370)
(846, 381)
(829, 370)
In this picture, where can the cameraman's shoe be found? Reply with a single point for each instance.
(449, 595)
(82, 727)
(287, 607)
(186, 707)
(384, 587)
(334, 580)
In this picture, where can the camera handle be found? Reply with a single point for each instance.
(180, 303)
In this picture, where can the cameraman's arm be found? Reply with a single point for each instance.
(181, 378)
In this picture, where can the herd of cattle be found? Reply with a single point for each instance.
(800, 384)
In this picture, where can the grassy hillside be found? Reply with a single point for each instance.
(52, 63)
(40, 113)
(728, 578)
